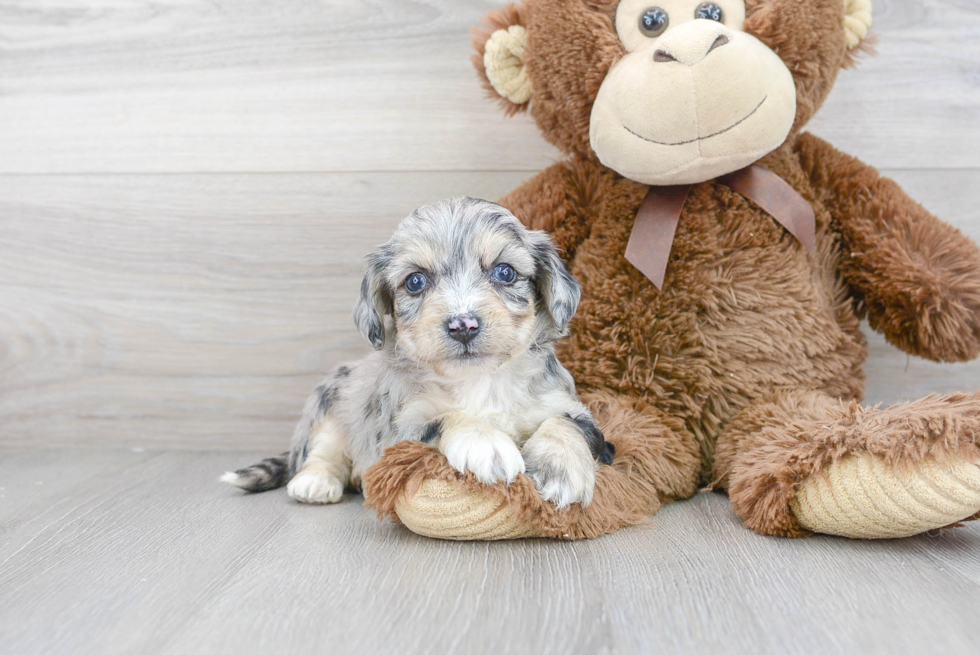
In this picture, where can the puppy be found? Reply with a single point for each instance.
(463, 306)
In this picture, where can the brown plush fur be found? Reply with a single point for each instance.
(914, 276)
(783, 438)
(753, 344)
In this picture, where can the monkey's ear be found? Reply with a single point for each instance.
(857, 21)
(375, 300)
(499, 58)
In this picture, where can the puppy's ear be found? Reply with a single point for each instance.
(375, 300)
(558, 290)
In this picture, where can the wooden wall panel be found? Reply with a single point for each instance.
(382, 85)
(190, 310)
(187, 188)
(198, 310)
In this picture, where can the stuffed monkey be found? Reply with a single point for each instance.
(726, 257)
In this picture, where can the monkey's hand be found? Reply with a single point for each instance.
(917, 278)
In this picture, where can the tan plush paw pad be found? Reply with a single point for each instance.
(440, 510)
(862, 497)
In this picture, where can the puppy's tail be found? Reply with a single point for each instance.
(270, 473)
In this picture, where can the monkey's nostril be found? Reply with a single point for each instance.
(663, 55)
(463, 328)
(720, 41)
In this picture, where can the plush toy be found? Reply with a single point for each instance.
(726, 258)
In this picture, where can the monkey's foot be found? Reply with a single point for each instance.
(413, 483)
(442, 511)
(860, 496)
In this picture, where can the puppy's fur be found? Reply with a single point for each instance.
(495, 401)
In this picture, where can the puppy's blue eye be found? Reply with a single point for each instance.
(504, 273)
(709, 10)
(415, 283)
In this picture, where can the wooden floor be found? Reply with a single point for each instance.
(187, 192)
(118, 552)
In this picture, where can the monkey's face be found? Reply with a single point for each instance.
(669, 91)
(695, 97)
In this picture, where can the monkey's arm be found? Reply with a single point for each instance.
(549, 202)
(917, 278)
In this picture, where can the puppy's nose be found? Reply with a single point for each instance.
(463, 328)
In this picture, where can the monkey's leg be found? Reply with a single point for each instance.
(655, 460)
(800, 462)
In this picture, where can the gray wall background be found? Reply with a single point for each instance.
(188, 187)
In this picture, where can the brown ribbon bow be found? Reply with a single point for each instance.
(656, 221)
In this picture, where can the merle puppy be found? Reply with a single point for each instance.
(463, 306)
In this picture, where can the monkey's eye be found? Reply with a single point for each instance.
(416, 283)
(504, 273)
(653, 22)
(709, 10)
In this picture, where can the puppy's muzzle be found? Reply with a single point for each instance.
(463, 328)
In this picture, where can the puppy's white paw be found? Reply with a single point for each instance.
(563, 471)
(490, 454)
(315, 488)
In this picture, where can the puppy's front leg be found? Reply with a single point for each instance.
(471, 445)
(560, 462)
(327, 468)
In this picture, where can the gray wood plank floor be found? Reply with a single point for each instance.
(120, 552)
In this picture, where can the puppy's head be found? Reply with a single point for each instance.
(463, 285)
